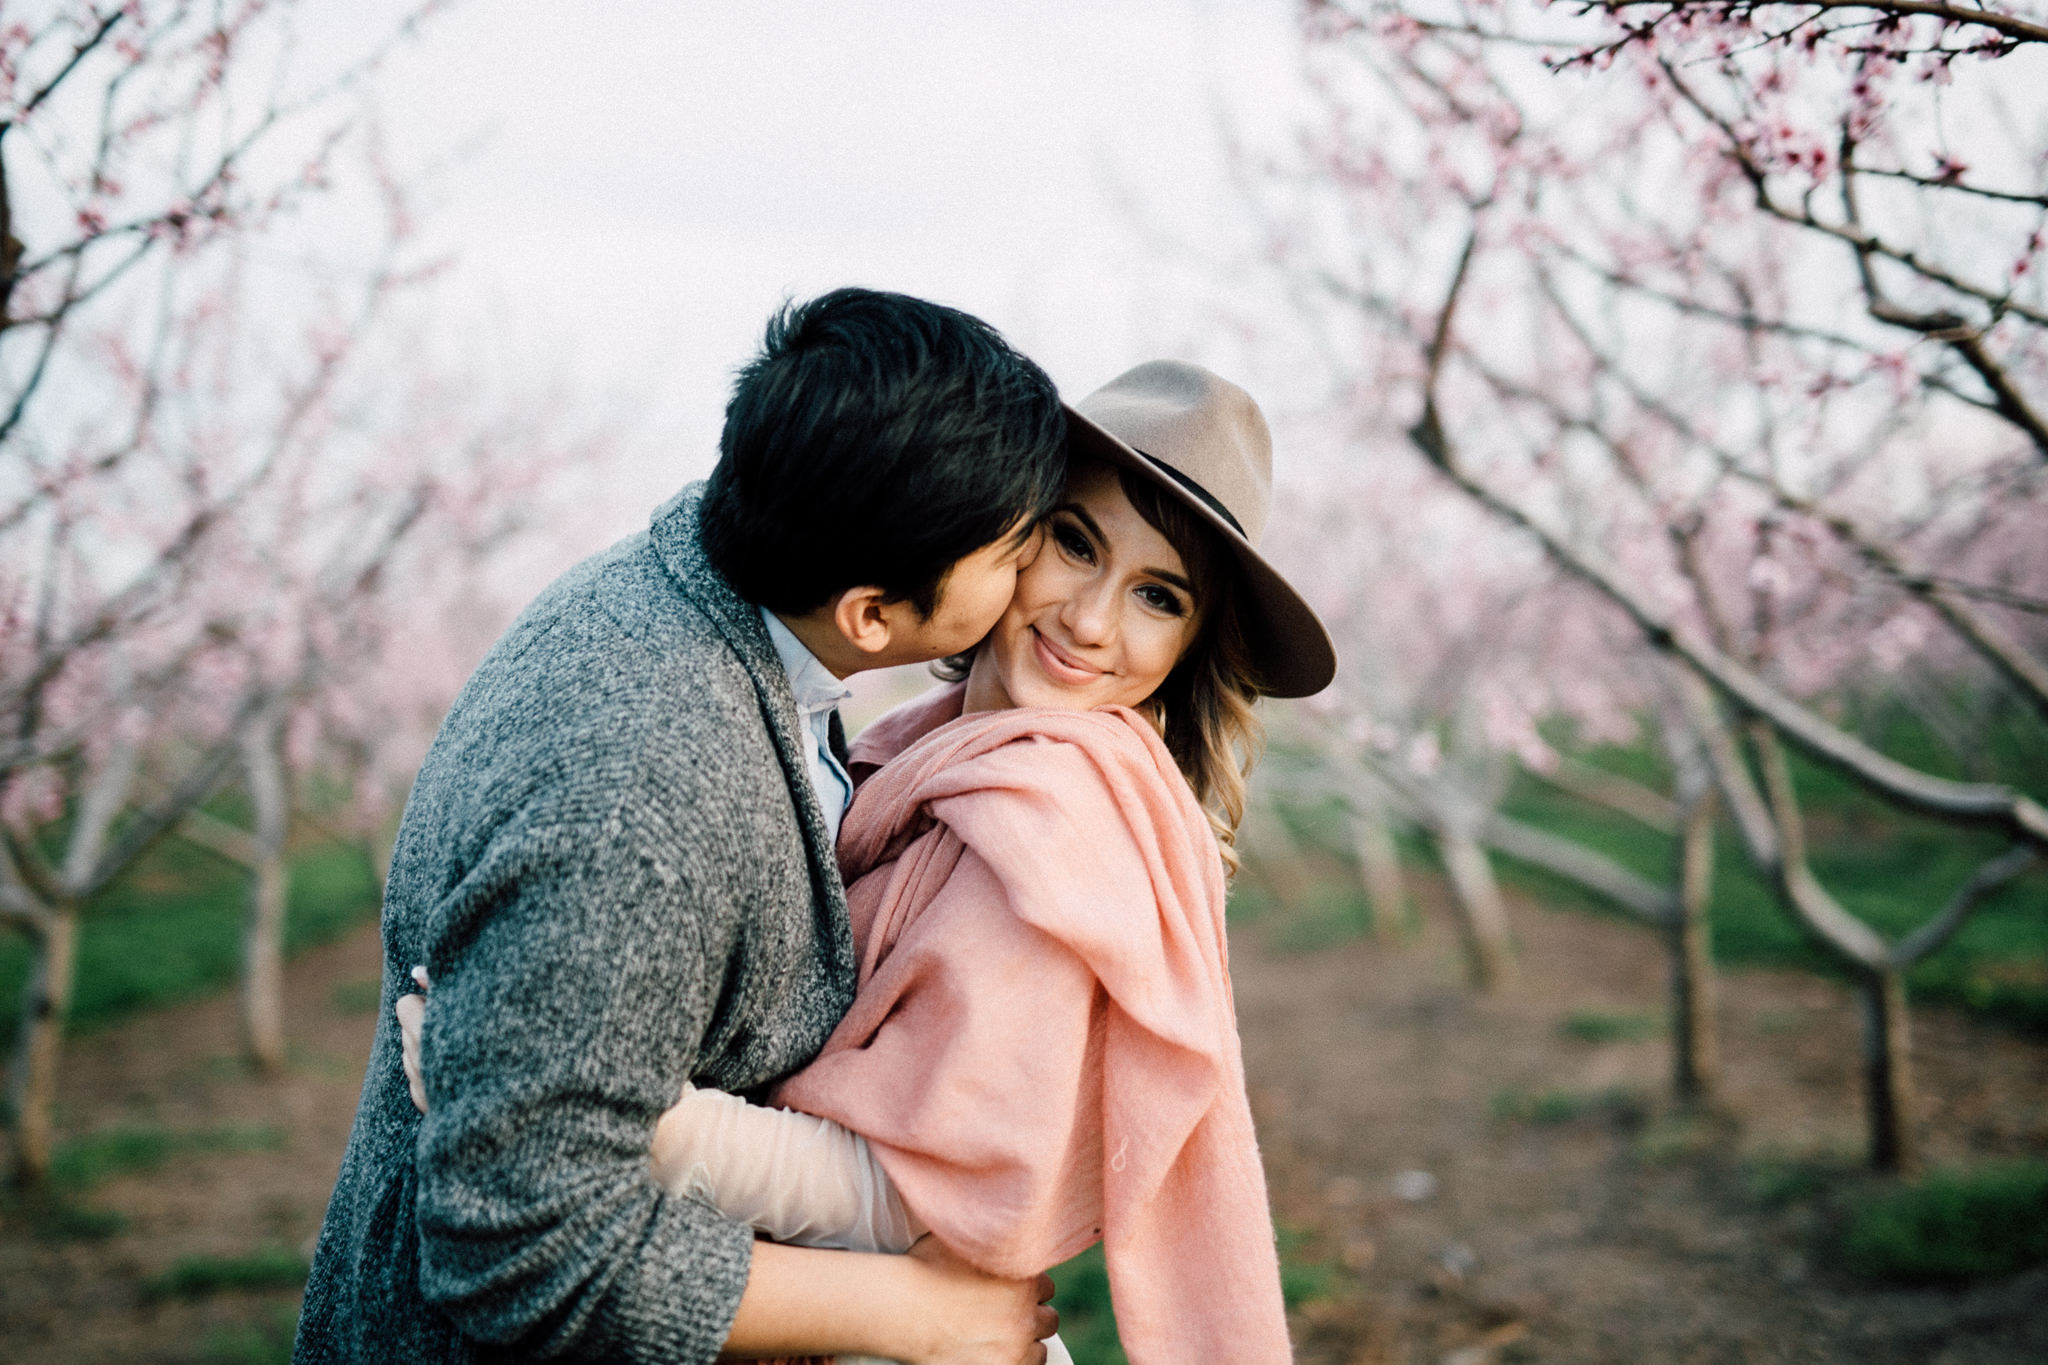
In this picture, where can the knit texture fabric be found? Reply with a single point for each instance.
(615, 869)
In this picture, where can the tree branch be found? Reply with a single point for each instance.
(1855, 237)
(20, 909)
(2004, 24)
(1819, 911)
(1625, 795)
(1978, 803)
(1578, 864)
(84, 49)
(1929, 937)
(218, 836)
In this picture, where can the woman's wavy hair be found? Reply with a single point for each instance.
(1203, 711)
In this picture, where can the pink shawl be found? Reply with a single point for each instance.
(1043, 1049)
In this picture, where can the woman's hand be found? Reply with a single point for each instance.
(927, 1308)
(412, 1011)
(977, 1320)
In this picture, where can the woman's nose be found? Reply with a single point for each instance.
(1089, 616)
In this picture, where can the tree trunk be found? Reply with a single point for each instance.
(1888, 1073)
(1695, 1044)
(1379, 870)
(1270, 846)
(269, 889)
(1482, 915)
(44, 1007)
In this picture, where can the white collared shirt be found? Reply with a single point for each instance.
(818, 692)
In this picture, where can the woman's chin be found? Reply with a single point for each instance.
(1043, 693)
(1056, 699)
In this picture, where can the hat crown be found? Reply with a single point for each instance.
(1199, 425)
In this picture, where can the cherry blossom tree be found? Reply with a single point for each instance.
(1461, 645)
(235, 489)
(1735, 311)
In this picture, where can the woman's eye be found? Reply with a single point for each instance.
(1074, 543)
(1160, 600)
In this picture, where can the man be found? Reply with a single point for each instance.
(617, 863)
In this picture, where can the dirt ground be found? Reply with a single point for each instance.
(1441, 1223)
(1628, 1235)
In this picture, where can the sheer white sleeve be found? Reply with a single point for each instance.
(794, 1177)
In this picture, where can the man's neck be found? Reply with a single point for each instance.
(820, 636)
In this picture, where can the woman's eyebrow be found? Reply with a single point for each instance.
(1175, 579)
(1088, 523)
(1080, 514)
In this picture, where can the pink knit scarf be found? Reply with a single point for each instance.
(1043, 1049)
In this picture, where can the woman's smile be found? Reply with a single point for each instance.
(1060, 665)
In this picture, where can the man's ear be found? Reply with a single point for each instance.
(866, 618)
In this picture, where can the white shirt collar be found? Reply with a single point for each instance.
(815, 687)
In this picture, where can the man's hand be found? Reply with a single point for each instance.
(412, 1011)
(927, 1308)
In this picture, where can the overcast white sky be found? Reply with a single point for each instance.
(654, 176)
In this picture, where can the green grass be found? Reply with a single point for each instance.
(1088, 1326)
(198, 1277)
(1303, 1276)
(1952, 1227)
(1777, 1183)
(1619, 1104)
(268, 1342)
(358, 997)
(1329, 915)
(170, 929)
(1892, 870)
(84, 1162)
(1610, 1026)
(58, 1215)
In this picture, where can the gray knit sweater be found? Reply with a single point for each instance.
(614, 867)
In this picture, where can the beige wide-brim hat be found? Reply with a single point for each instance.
(1204, 441)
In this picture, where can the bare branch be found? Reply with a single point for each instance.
(1940, 182)
(97, 811)
(1929, 937)
(1576, 863)
(1819, 911)
(1731, 775)
(1999, 301)
(22, 910)
(148, 825)
(1979, 803)
(218, 836)
(1631, 798)
(84, 49)
(2004, 23)
(1991, 640)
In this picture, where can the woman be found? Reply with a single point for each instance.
(1043, 1052)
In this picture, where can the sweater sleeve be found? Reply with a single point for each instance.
(574, 978)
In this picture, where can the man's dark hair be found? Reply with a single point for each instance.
(876, 441)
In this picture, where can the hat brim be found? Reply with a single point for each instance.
(1292, 650)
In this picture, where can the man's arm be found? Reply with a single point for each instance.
(929, 1308)
(573, 980)
(570, 975)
